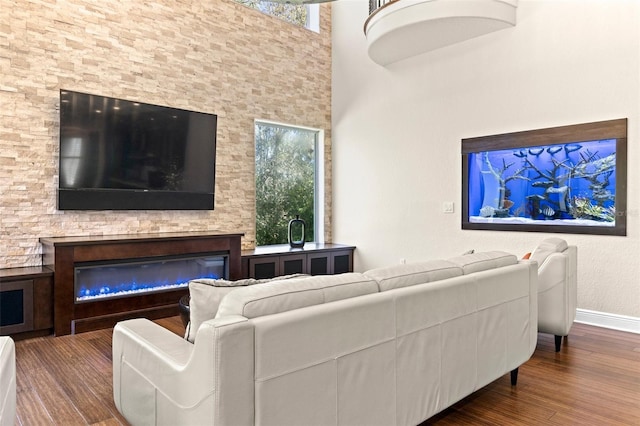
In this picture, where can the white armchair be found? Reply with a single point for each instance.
(7, 381)
(557, 287)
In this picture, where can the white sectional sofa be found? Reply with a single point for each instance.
(392, 346)
(7, 381)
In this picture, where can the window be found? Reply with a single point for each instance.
(288, 181)
(304, 15)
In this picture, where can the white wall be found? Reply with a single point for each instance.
(397, 131)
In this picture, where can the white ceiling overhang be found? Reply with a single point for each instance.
(405, 28)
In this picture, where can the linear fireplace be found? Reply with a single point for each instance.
(100, 280)
(109, 280)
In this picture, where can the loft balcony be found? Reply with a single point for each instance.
(400, 29)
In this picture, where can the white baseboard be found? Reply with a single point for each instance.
(605, 320)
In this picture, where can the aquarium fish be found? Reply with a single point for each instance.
(548, 211)
(520, 154)
(542, 184)
(569, 148)
(536, 151)
(554, 149)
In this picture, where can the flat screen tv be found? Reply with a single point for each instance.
(118, 154)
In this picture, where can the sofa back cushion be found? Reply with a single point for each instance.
(409, 274)
(207, 293)
(477, 262)
(547, 247)
(281, 296)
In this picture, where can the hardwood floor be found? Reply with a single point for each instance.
(593, 380)
(67, 380)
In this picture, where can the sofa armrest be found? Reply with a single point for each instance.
(158, 377)
(7, 381)
(167, 348)
(533, 301)
(557, 293)
(552, 272)
(144, 355)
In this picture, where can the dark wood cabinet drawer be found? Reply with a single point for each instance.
(313, 259)
(26, 301)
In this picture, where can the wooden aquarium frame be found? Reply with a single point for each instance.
(611, 129)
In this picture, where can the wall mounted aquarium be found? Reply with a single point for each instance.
(570, 179)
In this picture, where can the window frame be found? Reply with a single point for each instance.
(319, 172)
(313, 14)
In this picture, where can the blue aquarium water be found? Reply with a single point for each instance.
(102, 281)
(568, 184)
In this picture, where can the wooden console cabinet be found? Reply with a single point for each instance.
(313, 259)
(62, 254)
(26, 301)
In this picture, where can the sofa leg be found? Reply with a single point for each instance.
(514, 377)
(558, 343)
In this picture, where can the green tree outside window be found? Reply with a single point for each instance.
(285, 181)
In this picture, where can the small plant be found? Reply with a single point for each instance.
(583, 208)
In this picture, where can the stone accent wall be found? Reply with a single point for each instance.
(214, 56)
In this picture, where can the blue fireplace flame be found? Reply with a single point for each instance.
(102, 281)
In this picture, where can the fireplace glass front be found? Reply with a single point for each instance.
(121, 279)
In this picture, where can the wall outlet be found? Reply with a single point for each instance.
(403, 261)
(447, 207)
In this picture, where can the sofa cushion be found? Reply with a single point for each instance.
(206, 295)
(280, 296)
(547, 247)
(409, 274)
(482, 261)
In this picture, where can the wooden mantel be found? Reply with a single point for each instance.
(61, 254)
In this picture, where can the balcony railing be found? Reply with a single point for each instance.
(377, 4)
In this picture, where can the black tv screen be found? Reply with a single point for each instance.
(117, 154)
